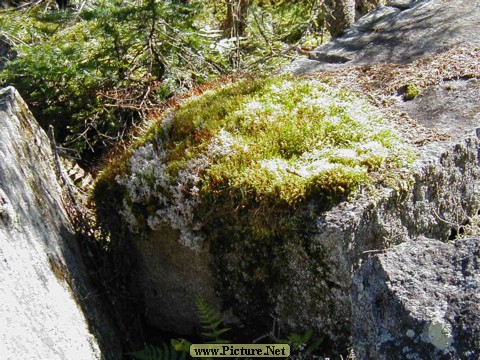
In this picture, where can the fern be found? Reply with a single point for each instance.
(151, 352)
(211, 320)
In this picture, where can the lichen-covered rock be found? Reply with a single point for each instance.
(48, 309)
(301, 276)
(272, 258)
(419, 300)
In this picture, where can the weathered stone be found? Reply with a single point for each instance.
(419, 300)
(48, 308)
(444, 191)
(172, 277)
(399, 33)
(451, 107)
(304, 282)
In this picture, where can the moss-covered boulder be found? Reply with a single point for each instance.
(241, 175)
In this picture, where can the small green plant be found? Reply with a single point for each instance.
(303, 344)
(211, 320)
(179, 349)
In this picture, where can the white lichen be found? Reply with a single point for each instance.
(148, 181)
(439, 334)
(174, 199)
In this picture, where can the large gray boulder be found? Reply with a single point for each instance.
(48, 307)
(305, 284)
(316, 277)
(419, 300)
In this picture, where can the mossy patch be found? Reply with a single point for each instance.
(410, 92)
(258, 151)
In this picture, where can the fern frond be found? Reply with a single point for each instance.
(211, 320)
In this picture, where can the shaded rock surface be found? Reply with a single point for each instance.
(48, 307)
(444, 191)
(305, 284)
(172, 277)
(419, 300)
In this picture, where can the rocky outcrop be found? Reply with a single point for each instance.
(444, 192)
(419, 300)
(303, 282)
(49, 309)
(399, 33)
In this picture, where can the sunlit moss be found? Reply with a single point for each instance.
(263, 148)
(411, 92)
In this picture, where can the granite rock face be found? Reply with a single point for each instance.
(171, 277)
(305, 284)
(451, 107)
(419, 300)
(444, 191)
(399, 33)
(48, 308)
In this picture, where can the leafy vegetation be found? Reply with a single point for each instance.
(211, 320)
(302, 346)
(93, 73)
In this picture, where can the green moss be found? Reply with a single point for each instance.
(273, 147)
(284, 131)
(411, 92)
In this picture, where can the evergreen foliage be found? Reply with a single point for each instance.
(92, 73)
(97, 68)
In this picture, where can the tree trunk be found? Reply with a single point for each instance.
(62, 4)
(234, 23)
(341, 17)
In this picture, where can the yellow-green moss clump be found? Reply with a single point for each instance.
(411, 92)
(255, 154)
